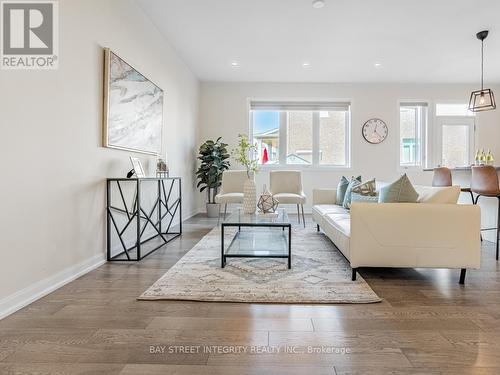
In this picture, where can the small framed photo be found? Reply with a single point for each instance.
(136, 164)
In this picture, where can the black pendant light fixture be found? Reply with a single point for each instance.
(482, 100)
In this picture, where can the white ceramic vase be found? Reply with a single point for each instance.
(249, 196)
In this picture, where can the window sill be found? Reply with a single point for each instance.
(413, 168)
(318, 168)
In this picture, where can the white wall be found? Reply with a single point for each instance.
(53, 171)
(224, 112)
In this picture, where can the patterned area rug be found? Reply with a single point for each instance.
(319, 274)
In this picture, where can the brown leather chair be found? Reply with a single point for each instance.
(442, 177)
(484, 182)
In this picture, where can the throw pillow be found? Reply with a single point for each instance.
(363, 189)
(356, 197)
(399, 191)
(442, 195)
(341, 188)
(347, 197)
(366, 188)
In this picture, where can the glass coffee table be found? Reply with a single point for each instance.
(258, 236)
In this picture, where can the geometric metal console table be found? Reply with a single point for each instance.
(165, 201)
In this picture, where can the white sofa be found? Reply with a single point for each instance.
(434, 233)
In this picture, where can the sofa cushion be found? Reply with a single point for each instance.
(323, 209)
(341, 222)
(443, 195)
(400, 191)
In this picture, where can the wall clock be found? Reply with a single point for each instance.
(375, 131)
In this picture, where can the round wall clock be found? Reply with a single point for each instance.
(375, 131)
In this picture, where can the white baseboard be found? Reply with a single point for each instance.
(30, 294)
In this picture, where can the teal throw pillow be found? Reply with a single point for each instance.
(341, 188)
(357, 197)
(400, 191)
(347, 198)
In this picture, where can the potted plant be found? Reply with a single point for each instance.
(214, 160)
(245, 154)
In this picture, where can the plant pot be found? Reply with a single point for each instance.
(249, 197)
(213, 209)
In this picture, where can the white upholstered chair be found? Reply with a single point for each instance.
(286, 188)
(232, 189)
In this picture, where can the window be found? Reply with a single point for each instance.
(455, 132)
(455, 145)
(266, 134)
(302, 133)
(412, 128)
(332, 135)
(299, 137)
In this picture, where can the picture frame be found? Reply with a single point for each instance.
(132, 108)
(137, 166)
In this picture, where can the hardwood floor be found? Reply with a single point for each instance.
(426, 324)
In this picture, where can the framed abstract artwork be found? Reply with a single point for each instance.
(133, 108)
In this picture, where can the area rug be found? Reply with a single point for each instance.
(319, 275)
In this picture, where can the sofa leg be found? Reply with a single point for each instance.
(317, 227)
(353, 278)
(462, 276)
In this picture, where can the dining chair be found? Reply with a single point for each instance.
(442, 177)
(484, 183)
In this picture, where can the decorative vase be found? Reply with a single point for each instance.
(249, 196)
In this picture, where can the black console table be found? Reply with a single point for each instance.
(165, 206)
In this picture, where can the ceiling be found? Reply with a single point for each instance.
(413, 41)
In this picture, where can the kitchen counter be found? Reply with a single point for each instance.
(457, 169)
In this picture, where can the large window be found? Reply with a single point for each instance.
(412, 128)
(455, 126)
(302, 133)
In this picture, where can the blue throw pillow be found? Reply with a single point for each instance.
(357, 197)
(400, 191)
(347, 198)
(341, 189)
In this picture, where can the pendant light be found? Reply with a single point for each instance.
(482, 100)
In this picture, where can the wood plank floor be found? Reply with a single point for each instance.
(427, 324)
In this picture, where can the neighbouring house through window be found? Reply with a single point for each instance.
(301, 133)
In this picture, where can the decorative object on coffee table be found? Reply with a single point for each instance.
(214, 161)
(266, 202)
(245, 154)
